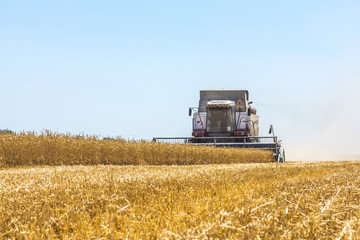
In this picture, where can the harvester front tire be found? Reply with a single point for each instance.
(281, 156)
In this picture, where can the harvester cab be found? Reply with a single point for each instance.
(220, 118)
(225, 118)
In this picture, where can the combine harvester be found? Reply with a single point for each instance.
(225, 118)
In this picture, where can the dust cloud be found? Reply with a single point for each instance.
(333, 132)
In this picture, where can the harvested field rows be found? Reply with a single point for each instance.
(234, 201)
(48, 148)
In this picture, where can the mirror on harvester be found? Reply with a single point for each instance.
(190, 112)
(249, 111)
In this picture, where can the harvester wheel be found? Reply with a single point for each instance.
(284, 155)
(281, 156)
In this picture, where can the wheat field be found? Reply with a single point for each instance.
(58, 186)
(48, 148)
(231, 201)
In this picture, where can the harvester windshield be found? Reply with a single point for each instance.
(220, 120)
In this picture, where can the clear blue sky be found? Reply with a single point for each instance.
(131, 68)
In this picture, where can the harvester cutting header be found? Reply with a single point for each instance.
(225, 118)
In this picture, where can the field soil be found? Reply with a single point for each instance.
(297, 200)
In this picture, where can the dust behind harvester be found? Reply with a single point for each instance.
(225, 118)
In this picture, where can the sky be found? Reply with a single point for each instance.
(132, 68)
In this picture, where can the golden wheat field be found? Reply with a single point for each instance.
(225, 201)
(58, 186)
(47, 148)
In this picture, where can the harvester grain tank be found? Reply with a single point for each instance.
(225, 118)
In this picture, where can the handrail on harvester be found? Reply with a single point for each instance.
(155, 139)
(242, 142)
(211, 137)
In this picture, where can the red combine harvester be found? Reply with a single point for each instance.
(225, 118)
